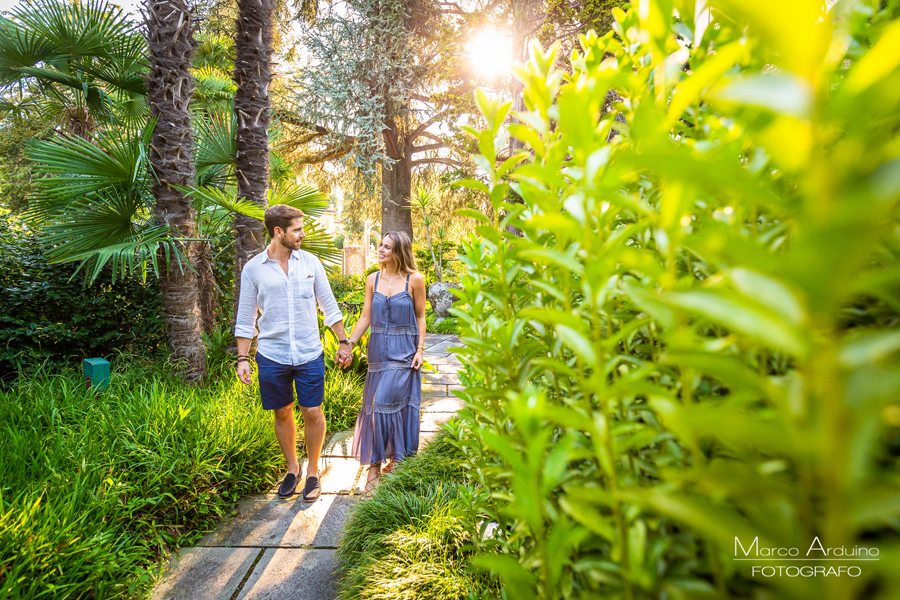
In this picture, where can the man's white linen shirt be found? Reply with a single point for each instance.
(288, 326)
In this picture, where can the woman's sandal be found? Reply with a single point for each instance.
(372, 482)
(388, 467)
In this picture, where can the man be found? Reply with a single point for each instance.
(285, 282)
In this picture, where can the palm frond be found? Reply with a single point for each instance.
(308, 199)
(137, 255)
(110, 227)
(88, 28)
(20, 48)
(132, 109)
(215, 89)
(317, 241)
(215, 51)
(122, 77)
(320, 244)
(107, 218)
(226, 199)
(76, 168)
(56, 76)
(215, 147)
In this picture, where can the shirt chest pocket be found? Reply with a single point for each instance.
(305, 289)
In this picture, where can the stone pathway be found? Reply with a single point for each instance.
(285, 549)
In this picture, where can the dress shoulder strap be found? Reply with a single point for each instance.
(377, 275)
(406, 289)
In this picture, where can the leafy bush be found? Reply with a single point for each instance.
(46, 317)
(346, 285)
(96, 488)
(447, 326)
(694, 340)
(410, 539)
(16, 171)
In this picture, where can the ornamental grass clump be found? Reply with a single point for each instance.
(411, 538)
(694, 341)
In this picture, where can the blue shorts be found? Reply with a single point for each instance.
(275, 382)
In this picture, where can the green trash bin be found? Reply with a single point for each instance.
(96, 373)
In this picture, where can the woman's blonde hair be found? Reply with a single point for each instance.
(402, 251)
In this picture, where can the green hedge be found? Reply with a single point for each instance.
(46, 317)
(695, 339)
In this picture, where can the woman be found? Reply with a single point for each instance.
(388, 424)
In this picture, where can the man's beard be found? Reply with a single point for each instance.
(293, 246)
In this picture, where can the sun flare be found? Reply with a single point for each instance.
(489, 53)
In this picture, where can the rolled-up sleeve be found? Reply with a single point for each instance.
(325, 297)
(245, 320)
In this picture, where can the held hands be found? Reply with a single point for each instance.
(344, 355)
(419, 359)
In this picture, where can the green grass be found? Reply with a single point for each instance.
(410, 539)
(343, 398)
(96, 489)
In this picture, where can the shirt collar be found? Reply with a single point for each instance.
(295, 254)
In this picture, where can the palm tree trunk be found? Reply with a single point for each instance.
(209, 289)
(170, 37)
(252, 75)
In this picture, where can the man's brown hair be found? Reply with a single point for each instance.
(281, 216)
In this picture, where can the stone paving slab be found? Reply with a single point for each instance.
(293, 574)
(443, 405)
(433, 421)
(440, 357)
(337, 475)
(439, 336)
(339, 445)
(212, 573)
(436, 388)
(443, 347)
(267, 522)
(448, 379)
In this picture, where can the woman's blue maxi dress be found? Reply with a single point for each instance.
(388, 423)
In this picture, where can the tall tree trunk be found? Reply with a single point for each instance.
(209, 289)
(252, 75)
(396, 182)
(170, 37)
